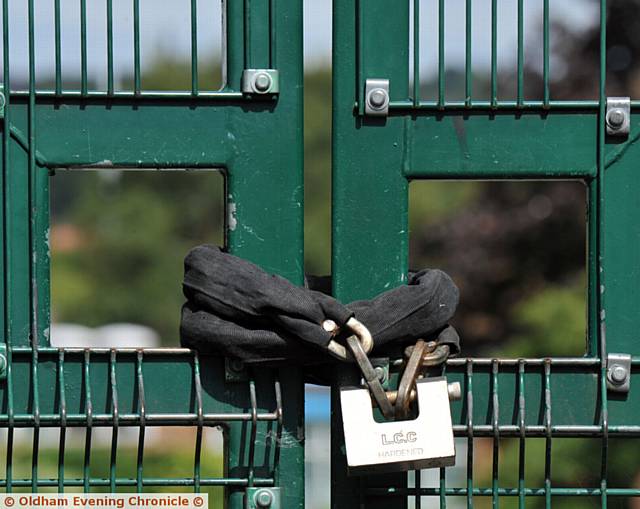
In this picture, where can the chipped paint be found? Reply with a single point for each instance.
(232, 221)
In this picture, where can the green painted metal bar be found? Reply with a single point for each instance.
(198, 449)
(548, 434)
(63, 422)
(58, 47)
(495, 411)
(83, 47)
(110, 87)
(194, 48)
(86, 467)
(468, 64)
(545, 52)
(273, 34)
(520, 83)
(136, 48)
(441, 54)
(523, 441)
(392, 492)
(416, 53)
(248, 53)
(5, 211)
(494, 53)
(141, 431)
(115, 413)
(469, 431)
(601, 276)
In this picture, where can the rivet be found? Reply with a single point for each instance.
(262, 82)
(617, 374)
(263, 498)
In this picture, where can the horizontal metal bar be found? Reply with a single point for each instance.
(224, 96)
(505, 492)
(177, 419)
(80, 350)
(533, 431)
(148, 481)
(499, 105)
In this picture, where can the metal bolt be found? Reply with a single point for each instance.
(616, 118)
(263, 498)
(377, 98)
(2, 101)
(381, 374)
(455, 391)
(617, 374)
(3, 365)
(262, 82)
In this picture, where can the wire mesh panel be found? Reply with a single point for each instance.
(108, 118)
(515, 414)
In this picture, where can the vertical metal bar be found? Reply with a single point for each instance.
(32, 247)
(10, 415)
(273, 34)
(110, 89)
(142, 411)
(136, 47)
(443, 488)
(115, 413)
(547, 423)
(254, 430)
(521, 424)
(441, 61)
(194, 47)
(601, 253)
(416, 56)
(63, 420)
(417, 474)
(469, 380)
(494, 53)
(6, 244)
(520, 53)
(86, 469)
(468, 67)
(198, 450)
(545, 50)
(276, 455)
(83, 47)
(58, 46)
(496, 434)
(360, 55)
(247, 35)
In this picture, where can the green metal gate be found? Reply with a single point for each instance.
(375, 156)
(230, 130)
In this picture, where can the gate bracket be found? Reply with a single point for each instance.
(262, 498)
(619, 372)
(376, 97)
(260, 81)
(618, 116)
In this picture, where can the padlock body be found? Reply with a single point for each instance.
(395, 446)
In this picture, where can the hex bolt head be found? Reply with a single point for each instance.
(262, 82)
(263, 498)
(617, 374)
(616, 118)
(377, 98)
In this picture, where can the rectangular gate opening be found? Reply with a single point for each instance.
(118, 240)
(517, 251)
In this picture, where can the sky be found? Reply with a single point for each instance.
(165, 29)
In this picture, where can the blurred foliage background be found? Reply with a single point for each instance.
(516, 249)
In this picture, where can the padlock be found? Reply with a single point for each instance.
(398, 446)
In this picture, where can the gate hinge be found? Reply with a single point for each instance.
(376, 97)
(618, 116)
(262, 498)
(619, 372)
(260, 81)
